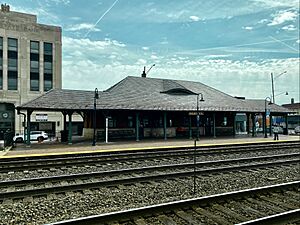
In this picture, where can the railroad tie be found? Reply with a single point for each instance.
(253, 212)
(166, 220)
(211, 216)
(186, 217)
(274, 208)
(140, 221)
(230, 212)
(279, 203)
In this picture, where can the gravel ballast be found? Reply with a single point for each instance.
(53, 208)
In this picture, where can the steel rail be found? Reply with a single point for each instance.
(153, 210)
(278, 219)
(133, 180)
(46, 163)
(158, 150)
(147, 169)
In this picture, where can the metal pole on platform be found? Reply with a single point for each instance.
(195, 148)
(106, 130)
(96, 96)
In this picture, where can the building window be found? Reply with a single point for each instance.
(48, 66)
(12, 83)
(34, 81)
(12, 61)
(47, 48)
(1, 79)
(34, 66)
(34, 47)
(12, 44)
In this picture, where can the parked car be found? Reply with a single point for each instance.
(34, 136)
(297, 130)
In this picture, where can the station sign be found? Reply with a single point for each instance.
(195, 113)
(41, 117)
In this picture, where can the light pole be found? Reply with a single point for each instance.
(198, 116)
(96, 96)
(265, 128)
(272, 79)
(195, 147)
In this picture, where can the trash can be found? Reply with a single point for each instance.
(63, 135)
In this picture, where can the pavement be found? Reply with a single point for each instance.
(53, 147)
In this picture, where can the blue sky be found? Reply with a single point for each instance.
(233, 46)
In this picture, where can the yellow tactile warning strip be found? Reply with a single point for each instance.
(141, 148)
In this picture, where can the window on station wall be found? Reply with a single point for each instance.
(48, 66)
(34, 66)
(12, 61)
(112, 122)
(1, 63)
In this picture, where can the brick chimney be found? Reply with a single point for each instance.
(144, 72)
(292, 100)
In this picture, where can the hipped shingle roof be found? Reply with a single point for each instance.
(137, 93)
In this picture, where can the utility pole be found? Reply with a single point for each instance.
(273, 96)
(272, 79)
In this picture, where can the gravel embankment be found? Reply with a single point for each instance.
(53, 208)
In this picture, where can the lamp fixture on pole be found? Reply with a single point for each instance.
(265, 124)
(144, 74)
(198, 115)
(197, 139)
(96, 96)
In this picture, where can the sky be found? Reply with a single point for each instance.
(231, 45)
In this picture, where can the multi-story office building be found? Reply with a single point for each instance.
(30, 65)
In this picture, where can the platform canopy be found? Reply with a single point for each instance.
(152, 94)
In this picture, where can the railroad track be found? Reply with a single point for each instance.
(276, 204)
(57, 184)
(52, 162)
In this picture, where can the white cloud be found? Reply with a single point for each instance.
(58, 2)
(82, 26)
(282, 17)
(289, 28)
(103, 63)
(141, 62)
(217, 56)
(194, 18)
(145, 48)
(298, 41)
(247, 28)
(277, 3)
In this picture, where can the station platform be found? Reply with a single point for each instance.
(52, 147)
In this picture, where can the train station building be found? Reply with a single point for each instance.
(142, 107)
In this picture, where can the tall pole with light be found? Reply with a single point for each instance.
(197, 139)
(265, 128)
(198, 115)
(272, 79)
(96, 96)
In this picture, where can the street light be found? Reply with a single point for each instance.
(265, 128)
(272, 79)
(198, 116)
(195, 148)
(96, 96)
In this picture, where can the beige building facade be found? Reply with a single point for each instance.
(30, 65)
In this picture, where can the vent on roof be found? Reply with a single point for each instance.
(238, 97)
(171, 87)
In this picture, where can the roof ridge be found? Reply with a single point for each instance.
(116, 85)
